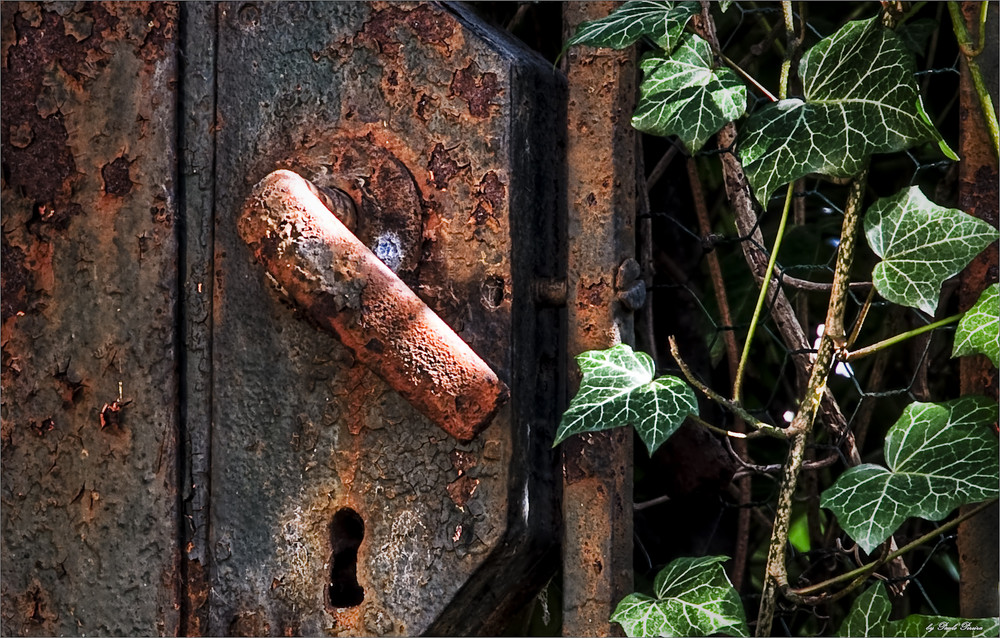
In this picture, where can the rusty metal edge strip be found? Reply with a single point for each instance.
(198, 75)
(529, 550)
(597, 467)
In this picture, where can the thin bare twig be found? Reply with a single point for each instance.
(638, 507)
(740, 552)
(761, 428)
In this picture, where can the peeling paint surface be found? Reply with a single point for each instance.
(89, 291)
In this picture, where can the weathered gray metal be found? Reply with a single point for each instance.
(463, 123)
(90, 291)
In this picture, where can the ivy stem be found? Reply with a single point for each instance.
(891, 341)
(865, 570)
(764, 285)
(776, 573)
(841, 280)
(705, 424)
(860, 321)
(786, 64)
(746, 76)
(970, 53)
(761, 427)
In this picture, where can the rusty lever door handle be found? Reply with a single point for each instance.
(342, 286)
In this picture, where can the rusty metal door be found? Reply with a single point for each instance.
(89, 307)
(184, 452)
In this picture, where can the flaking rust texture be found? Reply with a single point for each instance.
(413, 112)
(597, 481)
(89, 291)
(343, 287)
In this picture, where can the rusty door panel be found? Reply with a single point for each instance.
(320, 472)
(89, 295)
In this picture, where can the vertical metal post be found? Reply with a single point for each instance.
(196, 192)
(977, 537)
(597, 468)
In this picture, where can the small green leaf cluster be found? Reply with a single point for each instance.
(618, 389)
(859, 98)
(684, 91)
(693, 597)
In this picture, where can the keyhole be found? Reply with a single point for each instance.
(346, 532)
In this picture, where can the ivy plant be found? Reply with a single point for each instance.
(859, 97)
(939, 456)
(978, 331)
(869, 616)
(921, 245)
(618, 389)
(693, 597)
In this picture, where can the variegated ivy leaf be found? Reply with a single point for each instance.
(860, 98)
(869, 616)
(979, 330)
(939, 456)
(618, 389)
(664, 22)
(684, 95)
(921, 244)
(693, 597)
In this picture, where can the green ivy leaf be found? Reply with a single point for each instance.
(617, 389)
(921, 244)
(684, 95)
(693, 597)
(860, 98)
(869, 616)
(979, 330)
(664, 22)
(939, 456)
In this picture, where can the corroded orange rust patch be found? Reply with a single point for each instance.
(344, 287)
(461, 489)
(477, 89)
